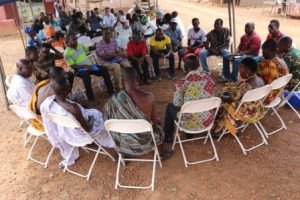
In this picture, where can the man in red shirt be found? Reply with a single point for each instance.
(249, 47)
(136, 54)
(274, 32)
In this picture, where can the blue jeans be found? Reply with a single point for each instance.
(235, 66)
(205, 53)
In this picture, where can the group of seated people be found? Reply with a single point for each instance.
(50, 91)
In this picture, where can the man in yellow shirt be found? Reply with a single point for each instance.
(161, 47)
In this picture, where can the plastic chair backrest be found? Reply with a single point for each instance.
(281, 82)
(201, 105)
(23, 113)
(65, 121)
(256, 94)
(128, 126)
(8, 81)
(97, 39)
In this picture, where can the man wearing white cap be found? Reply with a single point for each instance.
(175, 35)
(123, 32)
(180, 25)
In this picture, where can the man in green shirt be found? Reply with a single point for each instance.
(76, 57)
(291, 57)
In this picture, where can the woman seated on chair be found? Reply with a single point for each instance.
(271, 67)
(231, 95)
(90, 120)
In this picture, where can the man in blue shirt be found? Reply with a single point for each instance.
(175, 35)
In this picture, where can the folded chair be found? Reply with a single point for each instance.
(277, 84)
(70, 122)
(28, 116)
(287, 98)
(126, 127)
(258, 94)
(195, 107)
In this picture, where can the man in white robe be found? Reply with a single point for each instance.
(60, 137)
(21, 88)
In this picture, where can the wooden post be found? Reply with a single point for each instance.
(2, 83)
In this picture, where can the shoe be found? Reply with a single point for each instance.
(173, 78)
(158, 78)
(147, 82)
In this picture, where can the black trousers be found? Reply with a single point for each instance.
(86, 78)
(155, 59)
(170, 116)
(143, 71)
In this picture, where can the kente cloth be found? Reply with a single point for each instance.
(34, 97)
(249, 112)
(269, 70)
(120, 106)
(195, 86)
(61, 137)
(292, 60)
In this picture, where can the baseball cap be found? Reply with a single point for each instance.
(174, 20)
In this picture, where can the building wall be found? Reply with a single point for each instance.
(112, 3)
(7, 21)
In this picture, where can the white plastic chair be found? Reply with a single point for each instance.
(70, 122)
(97, 39)
(191, 107)
(8, 81)
(133, 126)
(251, 96)
(277, 84)
(287, 98)
(27, 115)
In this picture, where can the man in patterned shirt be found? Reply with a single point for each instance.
(291, 57)
(194, 86)
(217, 43)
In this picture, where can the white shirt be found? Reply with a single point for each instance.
(109, 20)
(180, 26)
(199, 36)
(123, 36)
(61, 137)
(56, 9)
(85, 40)
(20, 90)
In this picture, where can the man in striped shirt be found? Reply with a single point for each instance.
(111, 56)
(76, 58)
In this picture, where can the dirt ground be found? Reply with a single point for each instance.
(269, 172)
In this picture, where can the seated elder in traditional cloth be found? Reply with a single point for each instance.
(217, 43)
(90, 120)
(21, 87)
(271, 67)
(231, 95)
(133, 103)
(43, 89)
(249, 47)
(77, 59)
(291, 57)
(194, 86)
(161, 47)
(136, 54)
(111, 56)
